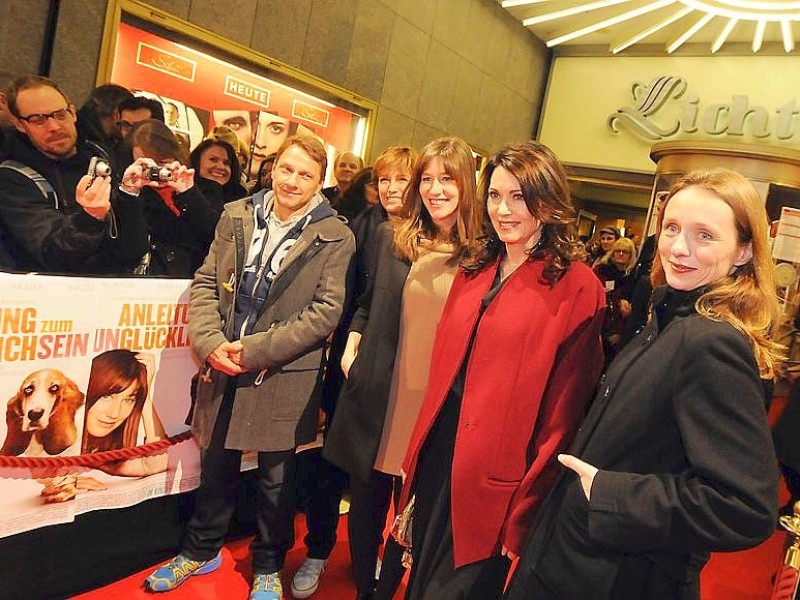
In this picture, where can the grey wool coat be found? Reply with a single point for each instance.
(277, 400)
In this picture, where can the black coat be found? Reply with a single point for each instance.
(355, 434)
(787, 432)
(679, 432)
(61, 237)
(364, 227)
(179, 243)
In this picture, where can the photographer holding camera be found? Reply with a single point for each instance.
(180, 219)
(55, 216)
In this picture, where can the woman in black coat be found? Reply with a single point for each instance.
(217, 172)
(674, 459)
(180, 219)
(416, 263)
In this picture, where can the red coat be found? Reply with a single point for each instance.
(535, 362)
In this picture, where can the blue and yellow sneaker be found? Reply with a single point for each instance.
(266, 586)
(178, 570)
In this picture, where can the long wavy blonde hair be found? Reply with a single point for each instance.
(746, 298)
(622, 243)
(415, 222)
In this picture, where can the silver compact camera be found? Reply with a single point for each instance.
(157, 174)
(98, 168)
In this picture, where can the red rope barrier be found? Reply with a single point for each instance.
(93, 460)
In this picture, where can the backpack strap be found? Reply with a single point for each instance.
(40, 182)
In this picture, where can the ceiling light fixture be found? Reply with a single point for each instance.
(631, 14)
(677, 43)
(568, 12)
(757, 12)
(651, 30)
(512, 3)
(723, 35)
(758, 38)
(788, 38)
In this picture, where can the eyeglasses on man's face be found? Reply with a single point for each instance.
(39, 119)
(124, 126)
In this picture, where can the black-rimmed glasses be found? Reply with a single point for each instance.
(39, 119)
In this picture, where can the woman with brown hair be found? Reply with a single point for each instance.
(118, 402)
(388, 350)
(517, 357)
(674, 460)
(180, 219)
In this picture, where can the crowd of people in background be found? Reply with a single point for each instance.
(453, 333)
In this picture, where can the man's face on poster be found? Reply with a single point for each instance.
(238, 121)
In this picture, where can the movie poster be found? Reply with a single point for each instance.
(93, 371)
(201, 93)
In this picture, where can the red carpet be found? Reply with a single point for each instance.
(730, 576)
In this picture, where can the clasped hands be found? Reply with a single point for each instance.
(228, 358)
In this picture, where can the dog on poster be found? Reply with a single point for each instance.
(40, 417)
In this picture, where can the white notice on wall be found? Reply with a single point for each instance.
(787, 239)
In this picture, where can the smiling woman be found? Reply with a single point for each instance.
(216, 161)
(415, 257)
(118, 404)
(645, 500)
(517, 354)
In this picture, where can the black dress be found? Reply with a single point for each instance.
(433, 575)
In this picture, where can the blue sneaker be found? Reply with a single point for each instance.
(178, 570)
(266, 586)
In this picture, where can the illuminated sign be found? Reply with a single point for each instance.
(735, 118)
(249, 92)
(312, 114)
(165, 62)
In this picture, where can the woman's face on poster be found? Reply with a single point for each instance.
(110, 411)
(271, 133)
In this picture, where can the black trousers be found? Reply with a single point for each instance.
(320, 484)
(216, 499)
(366, 522)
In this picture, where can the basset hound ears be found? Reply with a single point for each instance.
(43, 409)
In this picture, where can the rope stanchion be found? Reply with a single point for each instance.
(788, 576)
(92, 460)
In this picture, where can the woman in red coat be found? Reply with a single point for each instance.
(516, 357)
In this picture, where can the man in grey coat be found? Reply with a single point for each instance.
(269, 293)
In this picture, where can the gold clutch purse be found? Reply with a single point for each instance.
(401, 531)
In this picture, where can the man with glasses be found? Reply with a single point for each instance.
(136, 109)
(56, 221)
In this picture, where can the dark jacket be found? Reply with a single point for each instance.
(618, 287)
(277, 401)
(364, 227)
(179, 243)
(786, 433)
(61, 237)
(90, 128)
(355, 435)
(679, 432)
